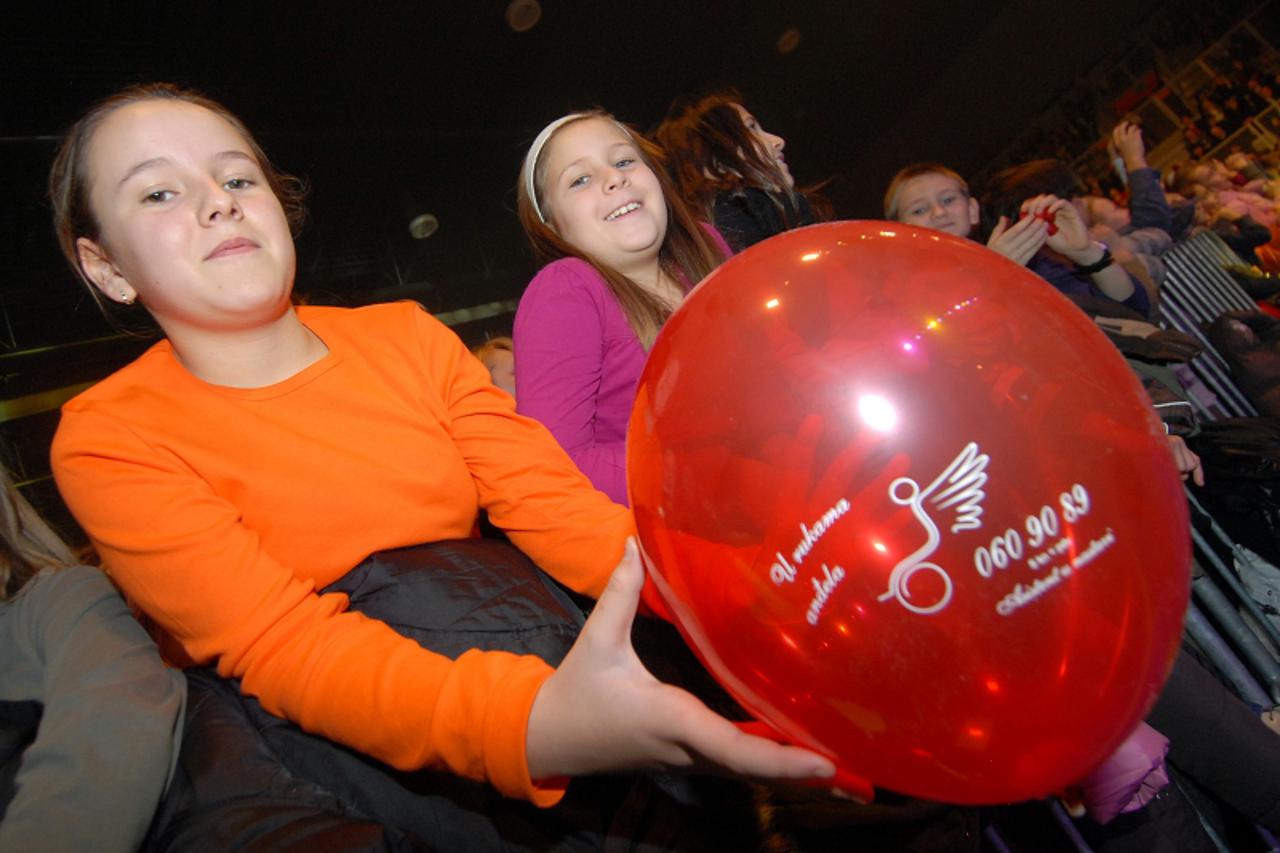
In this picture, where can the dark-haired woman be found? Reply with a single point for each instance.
(731, 170)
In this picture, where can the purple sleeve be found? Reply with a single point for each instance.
(560, 334)
(1067, 280)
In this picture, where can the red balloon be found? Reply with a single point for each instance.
(912, 510)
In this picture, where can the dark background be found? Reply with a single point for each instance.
(390, 109)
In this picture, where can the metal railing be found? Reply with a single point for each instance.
(1195, 292)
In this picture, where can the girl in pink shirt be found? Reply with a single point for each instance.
(621, 250)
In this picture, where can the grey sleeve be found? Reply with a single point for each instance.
(1148, 208)
(108, 738)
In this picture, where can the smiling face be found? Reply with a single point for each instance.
(600, 196)
(188, 223)
(769, 144)
(937, 201)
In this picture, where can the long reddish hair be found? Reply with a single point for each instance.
(709, 151)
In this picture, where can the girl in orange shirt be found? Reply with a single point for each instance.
(261, 450)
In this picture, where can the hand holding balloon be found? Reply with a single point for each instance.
(603, 711)
(909, 506)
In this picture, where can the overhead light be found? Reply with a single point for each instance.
(423, 226)
(523, 15)
(877, 412)
(788, 41)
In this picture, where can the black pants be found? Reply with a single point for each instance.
(279, 787)
(1219, 742)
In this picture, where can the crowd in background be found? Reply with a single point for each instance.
(1102, 250)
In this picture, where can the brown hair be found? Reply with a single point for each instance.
(69, 178)
(27, 543)
(915, 170)
(710, 151)
(1009, 188)
(687, 254)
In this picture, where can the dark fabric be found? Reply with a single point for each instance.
(1134, 335)
(1261, 286)
(1219, 742)
(285, 785)
(1249, 341)
(1241, 459)
(465, 594)
(1160, 347)
(1101, 306)
(1067, 280)
(1183, 219)
(1169, 397)
(1148, 207)
(818, 824)
(19, 723)
(745, 218)
(1167, 824)
(1243, 235)
(1219, 751)
(232, 791)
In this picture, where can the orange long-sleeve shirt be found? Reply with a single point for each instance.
(220, 511)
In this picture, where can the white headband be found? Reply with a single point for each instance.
(539, 142)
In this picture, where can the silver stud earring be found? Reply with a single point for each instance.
(126, 298)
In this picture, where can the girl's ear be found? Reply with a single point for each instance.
(97, 267)
(973, 212)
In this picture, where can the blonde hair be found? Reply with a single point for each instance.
(687, 254)
(27, 543)
(916, 170)
(498, 344)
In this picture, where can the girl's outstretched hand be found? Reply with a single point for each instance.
(603, 711)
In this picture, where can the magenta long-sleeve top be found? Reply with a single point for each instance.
(577, 366)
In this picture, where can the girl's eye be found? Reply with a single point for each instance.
(625, 162)
(579, 181)
(157, 196)
(916, 211)
(238, 183)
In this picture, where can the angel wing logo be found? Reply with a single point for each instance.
(956, 495)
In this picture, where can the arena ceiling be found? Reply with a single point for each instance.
(391, 109)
